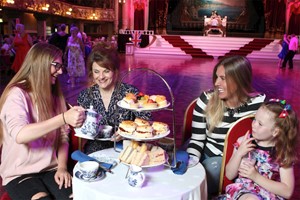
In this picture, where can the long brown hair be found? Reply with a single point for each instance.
(34, 77)
(238, 70)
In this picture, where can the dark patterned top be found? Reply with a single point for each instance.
(92, 96)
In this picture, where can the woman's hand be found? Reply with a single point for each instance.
(63, 178)
(75, 116)
(116, 137)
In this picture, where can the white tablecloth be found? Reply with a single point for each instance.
(161, 184)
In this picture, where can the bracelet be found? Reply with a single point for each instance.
(63, 115)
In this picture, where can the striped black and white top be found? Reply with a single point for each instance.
(212, 143)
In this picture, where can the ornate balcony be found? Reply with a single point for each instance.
(56, 7)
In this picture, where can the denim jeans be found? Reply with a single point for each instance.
(212, 167)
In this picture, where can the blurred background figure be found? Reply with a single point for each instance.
(6, 48)
(285, 48)
(22, 43)
(75, 53)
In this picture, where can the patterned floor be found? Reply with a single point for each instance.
(187, 77)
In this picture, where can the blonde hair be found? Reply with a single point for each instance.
(34, 77)
(238, 71)
(21, 26)
(288, 128)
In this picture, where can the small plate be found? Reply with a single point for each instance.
(100, 176)
(134, 137)
(193, 161)
(102, 139)
(84, 136)
(106, 159)
(142, 109)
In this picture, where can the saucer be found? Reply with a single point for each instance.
(193, 160)
(79, 175)
(84, 136)
(106, 159)
(78, 133)
(102, 139)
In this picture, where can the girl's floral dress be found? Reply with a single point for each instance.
(267, 167)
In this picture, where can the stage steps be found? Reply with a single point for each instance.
(212, 47)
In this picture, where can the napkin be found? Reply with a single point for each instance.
(81, 157)
(182, 159)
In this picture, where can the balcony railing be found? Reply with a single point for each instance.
(56, 7)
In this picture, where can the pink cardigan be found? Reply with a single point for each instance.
(33, 157)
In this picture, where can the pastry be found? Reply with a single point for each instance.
(160, 128)
(161, 101)
(127, 127)
(141, 122)
(145, 131)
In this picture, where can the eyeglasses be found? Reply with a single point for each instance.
(58, 66)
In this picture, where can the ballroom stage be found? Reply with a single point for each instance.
(188, 76)
(211, 46)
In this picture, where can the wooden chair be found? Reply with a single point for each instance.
(187, 122)
(238, 129)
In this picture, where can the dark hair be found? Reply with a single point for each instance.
(105, 56)
(63, 27)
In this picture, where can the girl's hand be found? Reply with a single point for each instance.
(248, 170)
(246, 145)
(63, 178)
(75, 116)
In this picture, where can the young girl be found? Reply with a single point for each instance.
(273, 141)
(33, 128)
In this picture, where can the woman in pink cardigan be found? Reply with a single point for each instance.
(34, 129)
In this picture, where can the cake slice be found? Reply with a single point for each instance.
(157, 155)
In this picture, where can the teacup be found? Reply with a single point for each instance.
(106, 132)
(91, 125)
(88, 169)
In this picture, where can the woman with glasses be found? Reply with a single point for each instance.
(34, 129)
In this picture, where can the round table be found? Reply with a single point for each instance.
(161, 184)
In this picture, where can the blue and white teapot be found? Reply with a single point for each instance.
(91, 126)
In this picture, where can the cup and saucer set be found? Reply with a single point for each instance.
(89, 171)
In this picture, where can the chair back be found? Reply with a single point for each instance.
(238, 129)
(187, 122)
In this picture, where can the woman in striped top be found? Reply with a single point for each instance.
(216, 110)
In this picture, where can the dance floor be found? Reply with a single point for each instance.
(187, 77)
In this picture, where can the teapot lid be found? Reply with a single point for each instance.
(91, 109)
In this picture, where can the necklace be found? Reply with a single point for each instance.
(232, 111)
